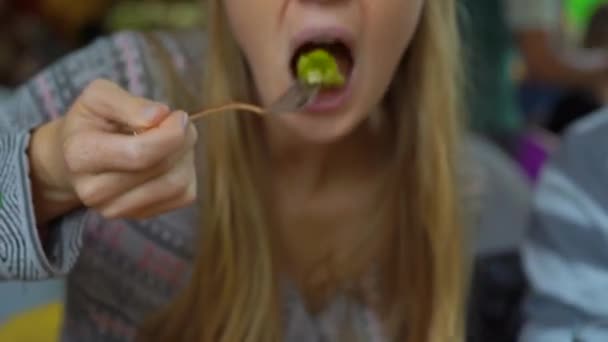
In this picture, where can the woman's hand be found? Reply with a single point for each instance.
(85, 158)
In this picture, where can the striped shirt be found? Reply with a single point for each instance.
(565, 252)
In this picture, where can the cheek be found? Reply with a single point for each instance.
(254, 25)
(239, 14)
(392, 25)
(396, 18)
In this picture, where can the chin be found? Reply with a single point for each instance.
(318, 128)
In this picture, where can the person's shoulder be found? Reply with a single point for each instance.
(522, 15)
(188, 44)
(135, 60)
(174, 64)
(593, 123)
(582, 152)
(183, 49)
(154, 63)
(590, 131)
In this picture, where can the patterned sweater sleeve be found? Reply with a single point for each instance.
(119, 58)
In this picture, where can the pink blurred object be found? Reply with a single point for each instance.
(534, 148)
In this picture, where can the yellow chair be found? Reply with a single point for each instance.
(40, 324)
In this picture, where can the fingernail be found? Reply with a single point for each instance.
(185, 119)
(152, 111)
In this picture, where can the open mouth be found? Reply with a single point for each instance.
(340, 51)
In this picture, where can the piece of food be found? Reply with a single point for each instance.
(319, 68)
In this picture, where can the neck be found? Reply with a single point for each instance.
(324, 206)
(314, 166)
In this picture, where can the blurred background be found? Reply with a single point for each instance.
(527, 115)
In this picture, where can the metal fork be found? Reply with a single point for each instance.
(295, 98)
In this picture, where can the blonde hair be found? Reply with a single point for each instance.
(234, 292)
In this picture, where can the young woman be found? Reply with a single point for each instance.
(338, 222)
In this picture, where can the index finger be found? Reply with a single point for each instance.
(108, 100)
(101, 151)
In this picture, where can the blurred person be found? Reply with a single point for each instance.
(340, 222)
(490, 93)
(493, 30)
(564, 255)
(578, 13)
(498, 283)
(579, 100)
(548, 60)
(596, 37)
(573, 104)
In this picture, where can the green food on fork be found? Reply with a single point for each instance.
(316, 69)
(319, 68)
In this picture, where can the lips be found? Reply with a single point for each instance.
(338, 42)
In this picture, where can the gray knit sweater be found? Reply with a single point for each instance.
(118, 271)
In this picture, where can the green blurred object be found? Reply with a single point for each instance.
(134, 15)
(579, 12)
(490, 92)
(319, 67)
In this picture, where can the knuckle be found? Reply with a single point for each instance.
(133, 104)
(90, 91)
(140, 102)
(71, 154)
(99, 83)
(72, 164)
(88, 194)
(176, 181)
(137, 156)
(190, 199)
(97, 94)
(161, 167)
(177, 140)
